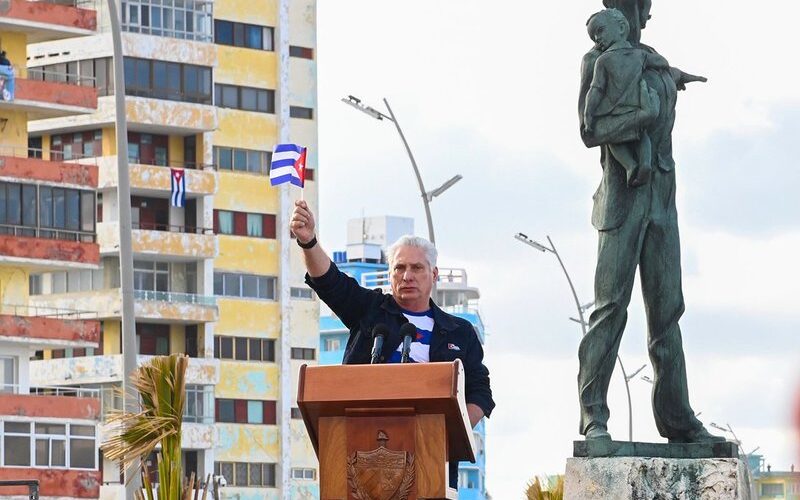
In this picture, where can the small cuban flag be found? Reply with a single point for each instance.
(178, 198)
(288, 165)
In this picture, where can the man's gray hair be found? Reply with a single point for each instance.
(431, 254)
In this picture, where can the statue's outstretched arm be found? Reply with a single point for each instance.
(681, 78)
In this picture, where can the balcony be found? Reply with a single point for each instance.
(50, 402)
(154, 180)
(26, 164)
(170, 242)
(51, 100)
(176, 307)
(44, 20)
(165, 307)
(155, 116)
(48, 249)
(45, 328)
(107, 368)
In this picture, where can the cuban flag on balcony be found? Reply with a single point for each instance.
(288, 165)
(178, 198)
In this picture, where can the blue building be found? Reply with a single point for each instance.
(365, 260)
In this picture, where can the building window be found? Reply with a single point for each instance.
(301, 52)
(8, 379)
(47, 212)
(244, 411)
(78, 145)
(251, 36)
(242, 160)
(772, 490)
(244, 348)
(151, 276)
(303, 353)
(152, 339)
(301, 112)
(244, 285)
(298, 292)
(332, 345)
(55, 445)
(199, 404)
(244, 98)
(244, 224)
(247, 474)
(304, 473)
(295, 412)
(167, 80)
(186, 20)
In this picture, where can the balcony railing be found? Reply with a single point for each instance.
(191, 165)
(176, 297)
(75, 392)
(172, 228)
(46, 312)
(47, 233)
(37, 73)
(38, 154)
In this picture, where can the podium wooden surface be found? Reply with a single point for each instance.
(386, 432)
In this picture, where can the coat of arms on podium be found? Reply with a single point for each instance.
(381, 474)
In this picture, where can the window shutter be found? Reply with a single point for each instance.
(270, 413)
(269, 226)
(240, 223)
(240, 411)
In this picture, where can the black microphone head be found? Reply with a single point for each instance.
(408, 330)
(380, 330)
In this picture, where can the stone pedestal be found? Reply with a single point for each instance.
(652, 477)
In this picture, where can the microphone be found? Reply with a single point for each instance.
(409, 333)
(379, 332)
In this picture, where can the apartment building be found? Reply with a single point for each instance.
(211, 87)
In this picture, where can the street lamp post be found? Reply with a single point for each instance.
(132, 479)
(427, 196)
(580, 319)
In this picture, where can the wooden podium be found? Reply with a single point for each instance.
(386, 432)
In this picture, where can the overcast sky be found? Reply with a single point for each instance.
(489, 90)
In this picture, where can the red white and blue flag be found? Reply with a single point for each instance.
(178, 198)
(288, 165)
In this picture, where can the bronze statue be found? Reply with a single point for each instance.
(627, 107)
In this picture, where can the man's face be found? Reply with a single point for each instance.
(412, 278)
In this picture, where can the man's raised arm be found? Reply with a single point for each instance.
(303, 226)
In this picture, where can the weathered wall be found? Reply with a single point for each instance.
(50, 328)
(50, 13)
(50, 250)
(54, 483)
(29, 169)
(24, 405)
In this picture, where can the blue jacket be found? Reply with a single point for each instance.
(360, 309)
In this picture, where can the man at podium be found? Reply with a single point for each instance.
(412, 273)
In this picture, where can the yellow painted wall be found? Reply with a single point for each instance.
(247, 380)
(261, 129)
(15, 133)
(175, 150)
(248, 255)
(263, 13)
(248, 318)
(45, 147)
(111, 337)
(14, 286)
(246, 193)
(236, 67)
(109, 141)
(247, 443)
(16, 46)
(177, 338)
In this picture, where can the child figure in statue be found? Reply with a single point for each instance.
(619, 94)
